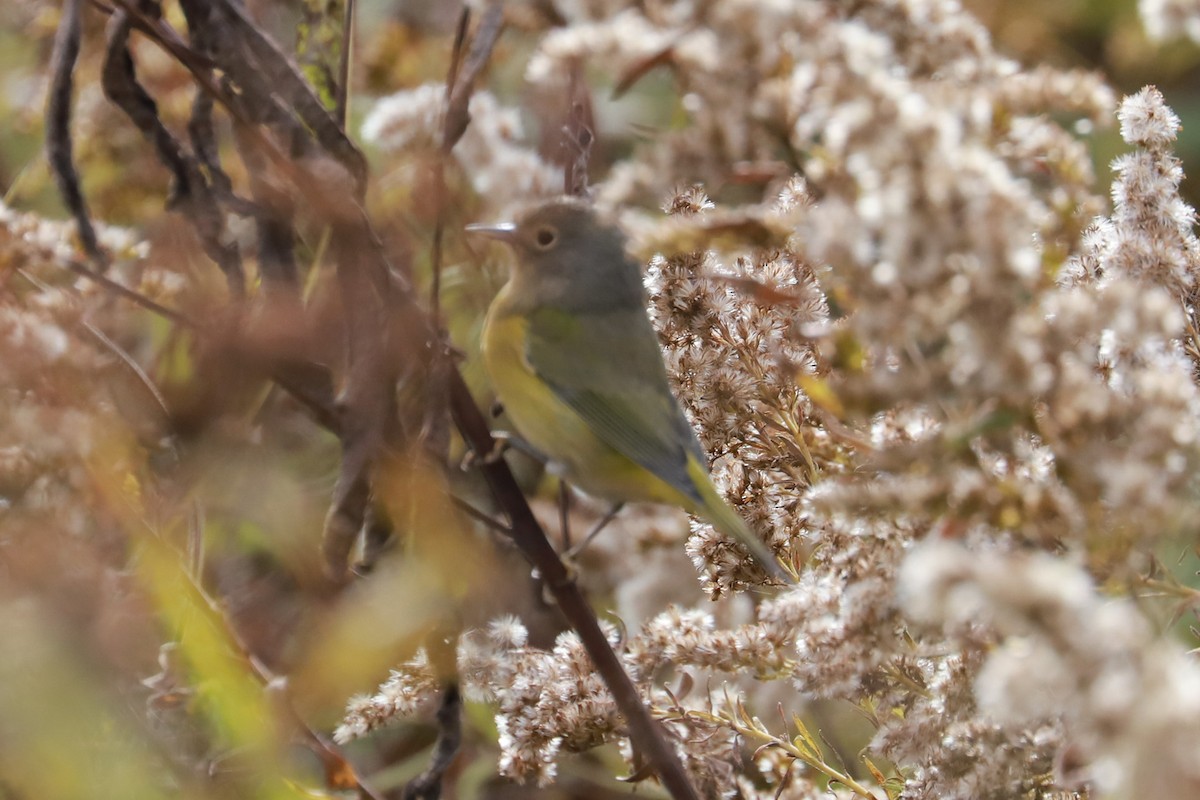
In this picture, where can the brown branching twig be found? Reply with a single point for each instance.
(274, 89)
(58, 129)
(190, 193)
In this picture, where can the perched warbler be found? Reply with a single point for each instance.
(577, 367)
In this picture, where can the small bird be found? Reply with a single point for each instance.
(576, 364)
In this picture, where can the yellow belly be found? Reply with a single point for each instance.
(554, 429)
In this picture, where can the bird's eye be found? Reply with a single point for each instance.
(545, 237)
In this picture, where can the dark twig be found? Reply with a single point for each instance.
(528, 535)
(58, 129)
(270, 73)
(439, 178)
(203, 136)
(456, 50)
(341, 100)
(564, 514)
(428, 785)
(460, 84)
(457, 115)
(190, 192)
(476, 514)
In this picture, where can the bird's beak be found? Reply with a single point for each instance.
(501, 231)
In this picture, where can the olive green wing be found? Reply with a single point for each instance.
(608, 368)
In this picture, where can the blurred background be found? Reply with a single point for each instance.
(93, 589)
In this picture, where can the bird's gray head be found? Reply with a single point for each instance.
(567, 256)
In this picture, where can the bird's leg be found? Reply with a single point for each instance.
(564, 511)
(607, 518)
(501, 440)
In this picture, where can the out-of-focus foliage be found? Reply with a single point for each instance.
(933, 365)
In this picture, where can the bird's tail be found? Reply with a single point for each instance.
(729, 522)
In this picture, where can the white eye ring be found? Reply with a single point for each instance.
(545, 237)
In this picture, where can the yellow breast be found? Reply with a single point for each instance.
(554, 428)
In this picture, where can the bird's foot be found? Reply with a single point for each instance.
(501, 441)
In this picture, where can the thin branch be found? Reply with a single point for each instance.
(428, 785)
(190, 191)
(270, 70)
(342, 97)
(84, 271)
(439, 178)
(476, 514)
(528, 535)
(58, 129)
(457, 115)
(132, 366)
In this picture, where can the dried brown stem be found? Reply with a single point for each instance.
(457, 115)
(341, 105)
(58, 129)
(428, 785)
(439, 178)
(528, 535)
(578, 134)
(190, 193)
(368, 401)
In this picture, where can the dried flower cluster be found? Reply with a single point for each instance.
(57, 373)
(1166, 19)
(1071, 658)
(736, 359)
(925, 358)
(490, 154)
